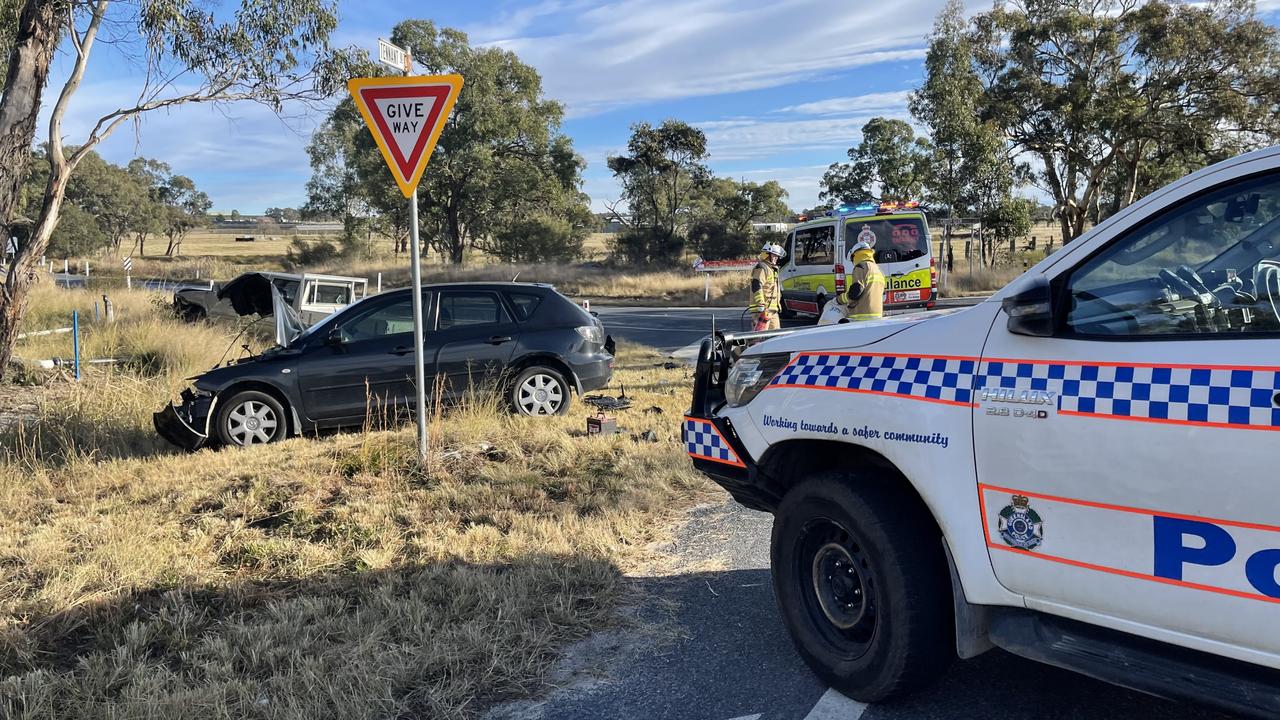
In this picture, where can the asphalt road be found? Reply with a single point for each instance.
(671, 329)
(733, 660)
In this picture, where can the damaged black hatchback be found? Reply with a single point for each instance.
(525, 341)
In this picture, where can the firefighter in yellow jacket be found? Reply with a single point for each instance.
(864, 297)
(766, 294)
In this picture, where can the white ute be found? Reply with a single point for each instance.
(1081, 470)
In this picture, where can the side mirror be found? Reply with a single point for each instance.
(1030, 310)
(334, 338)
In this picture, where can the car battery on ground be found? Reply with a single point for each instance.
(602, 424)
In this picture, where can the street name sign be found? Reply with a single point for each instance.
(406, 116)
(394, 56)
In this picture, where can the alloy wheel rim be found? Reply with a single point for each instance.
(540, 395)
(252, 423)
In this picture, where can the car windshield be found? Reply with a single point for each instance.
(897, 238)
(311, 329)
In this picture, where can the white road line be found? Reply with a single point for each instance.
(834, 706)
(748, 717)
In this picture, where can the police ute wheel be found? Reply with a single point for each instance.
(861, 579)
(250, 418)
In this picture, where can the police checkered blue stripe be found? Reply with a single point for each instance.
(1221, 396)
(939, 379)
(702, 440)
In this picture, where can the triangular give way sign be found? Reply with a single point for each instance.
(406, 116)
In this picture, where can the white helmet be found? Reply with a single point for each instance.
(773, 249)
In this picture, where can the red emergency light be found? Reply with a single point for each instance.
(892, 206)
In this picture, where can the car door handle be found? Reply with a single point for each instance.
(401, 350)
(499, 339)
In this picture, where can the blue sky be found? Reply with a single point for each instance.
(781, 87)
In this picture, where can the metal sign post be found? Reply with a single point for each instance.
(406, 115)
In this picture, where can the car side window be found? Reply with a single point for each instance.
(469, 309)
(524, 304)
(816, 246)
(1209, 266)
(288, 289)
(394, 318)
(330, 294)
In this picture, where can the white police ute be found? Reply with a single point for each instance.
(1081, 470)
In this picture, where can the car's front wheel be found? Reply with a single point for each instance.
(540, 390)
(860, 577)
(250, 417)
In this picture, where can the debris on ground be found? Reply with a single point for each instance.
(646, 436)
(653, 410)
(607, 402)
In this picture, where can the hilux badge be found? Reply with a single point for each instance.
(1020, 526)
(1024, 397)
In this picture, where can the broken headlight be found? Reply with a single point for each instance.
(752, 374)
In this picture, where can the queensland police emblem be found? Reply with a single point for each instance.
(1020, 526)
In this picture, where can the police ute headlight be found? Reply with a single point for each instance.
(751, 375)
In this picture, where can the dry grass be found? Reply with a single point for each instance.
(980, 281)
(109, 414)
(339, 577)
(144, 335)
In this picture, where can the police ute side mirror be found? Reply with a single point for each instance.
(1030, 310)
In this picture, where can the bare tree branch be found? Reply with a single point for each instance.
(83, 46)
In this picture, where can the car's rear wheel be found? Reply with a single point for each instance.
(249, 418)
(861, 579)
(540, 390)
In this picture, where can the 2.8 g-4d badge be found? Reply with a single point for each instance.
(1020, 526)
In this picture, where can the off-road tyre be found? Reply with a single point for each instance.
(234, 424)
(897, 634)
(538, 391)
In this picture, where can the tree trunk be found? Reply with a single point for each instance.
(33, 48)
(453, 230)
(22, 273)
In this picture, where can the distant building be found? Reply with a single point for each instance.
(772, 227)
(609, 223)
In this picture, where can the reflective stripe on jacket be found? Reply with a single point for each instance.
(766, 296)
(865, 296)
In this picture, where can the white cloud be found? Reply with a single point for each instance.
(639, 51)
(742, 140)
(871, 102)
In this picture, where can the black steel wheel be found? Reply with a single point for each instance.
(861, 579)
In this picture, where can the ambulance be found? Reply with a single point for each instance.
(817, 257)
(1081, 470)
